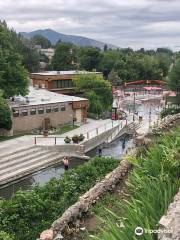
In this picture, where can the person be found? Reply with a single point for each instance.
(66, 163)
(100, 152)
(124, 143)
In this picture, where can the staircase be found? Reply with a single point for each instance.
(132, 127)
(25, 161)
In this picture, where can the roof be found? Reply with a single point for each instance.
(41, 97)
(73, 72)
(159, 82)
(152, 88)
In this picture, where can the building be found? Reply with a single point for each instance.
(57, 81)
(44, 109)
(49, 52)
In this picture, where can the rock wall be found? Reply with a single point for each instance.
(85, 201)
(170, 223)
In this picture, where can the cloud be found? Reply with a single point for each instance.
(134, 23)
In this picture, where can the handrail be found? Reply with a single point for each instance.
(87, 134)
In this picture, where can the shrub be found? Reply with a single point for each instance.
(29, 213)
(75, 139)
(169, 111)
(81, 137)
(67, 139)
(5, 236)
(5, 115)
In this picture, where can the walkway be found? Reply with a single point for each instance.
(16, 144)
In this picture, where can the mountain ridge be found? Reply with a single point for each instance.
(54, 37)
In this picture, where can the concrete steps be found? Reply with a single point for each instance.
(134, 126)
(23, 162)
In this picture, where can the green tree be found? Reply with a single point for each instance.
(97, 90)
(42, 41)
(26, 48)
(174, 80)
(114, 78)
(5, 115)
(64, 57)
(13, 76)
(89, 58)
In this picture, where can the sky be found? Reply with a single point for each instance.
(124, 23)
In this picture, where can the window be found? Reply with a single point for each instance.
(15, 113)
(63, 108)
(33, 111)
(55, 109)
(63, 83)
(41, 110)
(24, 112)
(48, 109)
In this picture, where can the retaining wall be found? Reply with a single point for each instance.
(170, 223)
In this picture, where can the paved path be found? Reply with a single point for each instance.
(27, 141)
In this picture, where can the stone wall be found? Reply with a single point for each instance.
(170, 223)
(86, 201)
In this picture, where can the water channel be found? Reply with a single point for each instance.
(116, 150)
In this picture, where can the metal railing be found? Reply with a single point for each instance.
(88, 135)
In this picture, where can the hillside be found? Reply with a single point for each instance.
(54, 37)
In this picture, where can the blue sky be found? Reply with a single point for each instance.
(125, 23)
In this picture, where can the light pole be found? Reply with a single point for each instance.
(134, 107)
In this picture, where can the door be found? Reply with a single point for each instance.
(46, 123)
(79, 115)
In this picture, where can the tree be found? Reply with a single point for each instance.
(64, 57)
(42, 41)
(5, 236)
(174, 80)
(13, 76)
(97, 90)
(105, 47)
(26, 48)
(114, 78)
(90, 58)
(5, 115)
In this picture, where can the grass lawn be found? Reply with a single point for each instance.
(65, 128)
(59, 130)
(4, 138)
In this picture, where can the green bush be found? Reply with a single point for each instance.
(152, 186)
(28, 213)
(5, 236)
(5, 115)
(169, 111)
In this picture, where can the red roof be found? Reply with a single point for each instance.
(159, 82)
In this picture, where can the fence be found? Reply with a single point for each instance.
(53, 140)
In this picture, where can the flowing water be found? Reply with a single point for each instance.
(115, 149)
